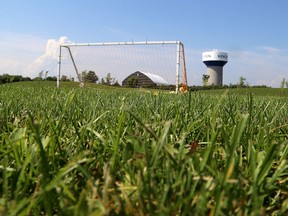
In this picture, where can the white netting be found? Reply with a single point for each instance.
(122, 60)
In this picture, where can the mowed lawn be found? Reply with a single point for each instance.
(103, 150)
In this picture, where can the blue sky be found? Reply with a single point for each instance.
(253, 32)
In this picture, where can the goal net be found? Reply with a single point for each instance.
(162, 63)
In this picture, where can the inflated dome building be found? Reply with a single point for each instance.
(143, 79)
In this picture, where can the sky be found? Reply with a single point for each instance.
(253, 32)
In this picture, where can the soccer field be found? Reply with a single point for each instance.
(114, 151)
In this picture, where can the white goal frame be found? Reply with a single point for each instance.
(180, 49)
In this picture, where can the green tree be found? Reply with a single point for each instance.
(41, 75)
(116, 83)
(16, 78)
(64, 78)
(89, 76)
(49, 78)
(108, 79)
(205, 79)
(282, 90)
(82, 76)
(242, 81)
(102, 81)
(26, 79)
(45, 74)
(5, 78)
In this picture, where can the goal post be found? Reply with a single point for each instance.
(120, 59)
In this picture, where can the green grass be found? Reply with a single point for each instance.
(244, 91)
(239, 91)
(102, 150)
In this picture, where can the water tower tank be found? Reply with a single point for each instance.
(215, 60)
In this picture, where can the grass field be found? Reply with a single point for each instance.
(110, 151)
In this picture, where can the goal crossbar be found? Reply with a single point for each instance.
(122, 43)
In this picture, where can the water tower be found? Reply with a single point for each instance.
(215, 60)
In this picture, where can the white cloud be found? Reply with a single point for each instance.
(271, 50)
(48, 60)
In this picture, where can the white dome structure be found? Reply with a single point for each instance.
(215, 60)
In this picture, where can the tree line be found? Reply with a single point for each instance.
(91, 77)
(85, 76)
(7, 78)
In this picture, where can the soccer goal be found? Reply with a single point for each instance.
(158, 62)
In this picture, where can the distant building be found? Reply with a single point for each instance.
(143, 79)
